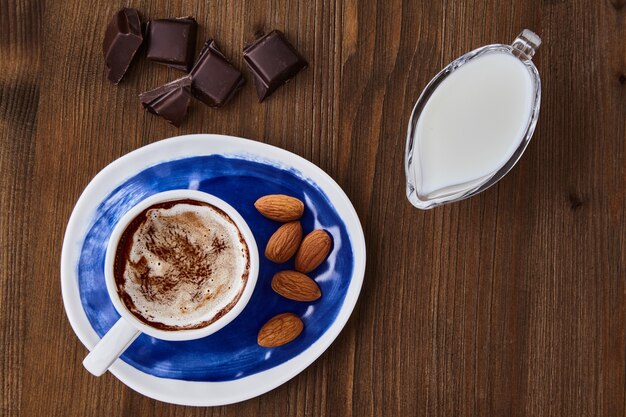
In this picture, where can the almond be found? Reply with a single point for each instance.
(279, 330)
(295, 286)
(280, 207)
(313, 251)
(284, 243)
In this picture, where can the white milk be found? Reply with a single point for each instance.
(473, 123)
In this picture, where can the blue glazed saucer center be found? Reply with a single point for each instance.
(232, 352)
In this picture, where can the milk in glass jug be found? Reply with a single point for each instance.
(472, 122)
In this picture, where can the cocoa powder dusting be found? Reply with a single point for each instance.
(186, 264)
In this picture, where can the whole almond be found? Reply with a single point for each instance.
(295, 286)
(284, 243)
(313, 251)
(279, 330)
(280, 207)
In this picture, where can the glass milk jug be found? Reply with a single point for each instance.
(472, 122)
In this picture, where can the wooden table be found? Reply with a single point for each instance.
(509, 304)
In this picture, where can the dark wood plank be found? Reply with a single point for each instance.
(512, 303)
(19, 95)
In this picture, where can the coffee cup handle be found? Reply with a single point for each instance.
(110, 347)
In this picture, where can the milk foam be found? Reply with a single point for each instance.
(187, 265)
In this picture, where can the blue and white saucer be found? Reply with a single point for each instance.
(227, 366)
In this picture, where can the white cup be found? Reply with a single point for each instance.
(128, 327)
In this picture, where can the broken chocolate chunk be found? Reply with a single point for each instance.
(169, 101)
(172, 42)
(273, 61)
(214, 79)
(122, 39)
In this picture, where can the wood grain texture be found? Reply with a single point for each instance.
(19, 97)
(512, 303)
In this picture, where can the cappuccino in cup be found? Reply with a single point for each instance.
(181, 265)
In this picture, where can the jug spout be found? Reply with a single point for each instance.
(526, 44)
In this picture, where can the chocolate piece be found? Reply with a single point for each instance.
(273, 61)
(169, 101)
(172, 42)
(214, 79)
(122, 39)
